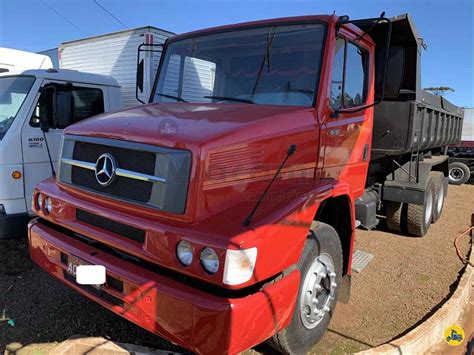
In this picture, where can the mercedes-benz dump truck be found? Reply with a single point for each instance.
(223, 213)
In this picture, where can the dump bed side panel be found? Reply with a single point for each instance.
(404, 127)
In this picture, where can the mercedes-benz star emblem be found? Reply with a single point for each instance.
(105, 168)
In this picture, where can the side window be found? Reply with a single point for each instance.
(355, 78)
(337, 74)
(349, 75)
(87, 102)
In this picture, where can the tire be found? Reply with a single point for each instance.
(438, 201)
(394, 216)
(459, 173)
(322, 247)
(419, 217)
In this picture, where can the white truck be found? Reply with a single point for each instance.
(28, 99)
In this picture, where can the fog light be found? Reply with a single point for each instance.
(210, 260)
(48, 205)
(184, 252)
(39, 202)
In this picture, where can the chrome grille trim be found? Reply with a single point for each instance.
(119, 172)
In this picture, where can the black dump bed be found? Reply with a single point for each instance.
(409, 119)
(403, 127)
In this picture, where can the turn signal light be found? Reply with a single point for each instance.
(16, 174)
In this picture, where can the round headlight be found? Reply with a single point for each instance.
(210, 260)
(39, 201)
(48, 205)
(184, 252)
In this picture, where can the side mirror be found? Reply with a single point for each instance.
(63, 108)
(144, 68)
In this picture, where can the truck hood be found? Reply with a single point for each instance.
(180, 125)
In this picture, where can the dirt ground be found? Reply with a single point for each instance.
(408, 279)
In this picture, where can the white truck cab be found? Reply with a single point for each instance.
(15, 60)
(31, 98)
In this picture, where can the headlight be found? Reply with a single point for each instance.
(210, 260)
(39, 202)
(184, 252)
(239, 265)
(48, 205)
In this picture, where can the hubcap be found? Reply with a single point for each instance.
(456, 174)
(440, 198)
(318, 290)
(429, 207)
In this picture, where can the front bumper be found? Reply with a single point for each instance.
(13, 225)
(194, 319)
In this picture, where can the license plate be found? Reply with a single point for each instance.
(96, 272)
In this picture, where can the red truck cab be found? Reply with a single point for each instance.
(161, 194)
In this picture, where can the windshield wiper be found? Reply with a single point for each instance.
(229, 98)
(172, 97)
(266, 58)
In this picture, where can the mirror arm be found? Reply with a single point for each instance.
(139, 50)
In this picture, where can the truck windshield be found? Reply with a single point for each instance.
(273, 65)
(13, 92)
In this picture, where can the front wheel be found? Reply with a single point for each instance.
(320, 266)
(459, 173)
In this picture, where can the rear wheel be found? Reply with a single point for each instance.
(419, 216)
(393, 212)
(438, 180)
(459, 173)
(321, 267)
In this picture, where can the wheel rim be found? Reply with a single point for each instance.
(440, 198)
(318, 290)
(429, 207)
(456, 174)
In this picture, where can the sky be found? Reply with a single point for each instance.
(446, 26)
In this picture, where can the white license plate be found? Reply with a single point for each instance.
(85, 273)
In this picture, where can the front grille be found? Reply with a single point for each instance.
(121, 229)
(134, 190)
(130, 159)
(148, 175)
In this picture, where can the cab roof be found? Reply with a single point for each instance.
(259, 23)
(65, 75)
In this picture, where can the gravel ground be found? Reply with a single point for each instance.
(408, 279)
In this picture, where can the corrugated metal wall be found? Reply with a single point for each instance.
(468, 125)
(113, 55)
(198, 79)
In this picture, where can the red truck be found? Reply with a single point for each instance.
(225, 209)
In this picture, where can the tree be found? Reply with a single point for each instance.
(440, 90)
